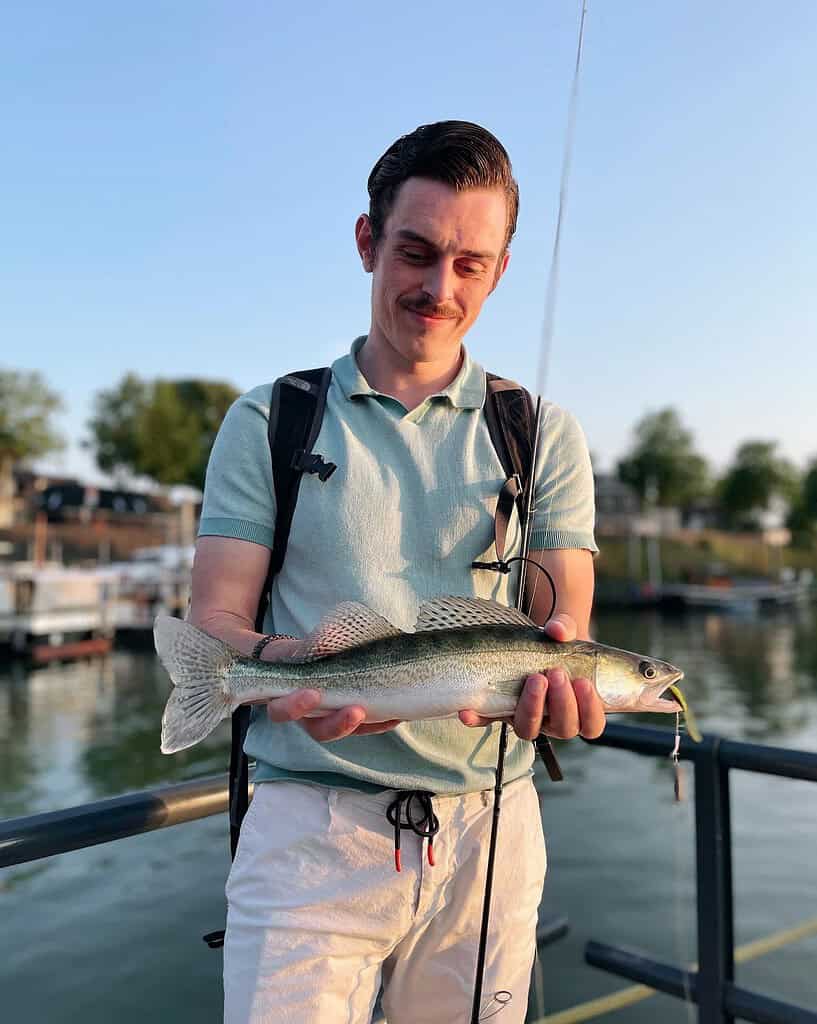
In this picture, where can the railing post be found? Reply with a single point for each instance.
(716, 955)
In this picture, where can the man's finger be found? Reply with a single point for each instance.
(293, 706)
(591, 709)
(472, 719)
(335, 726)
(527, 719)
(561, 627)
(369, 728)
(562, 708)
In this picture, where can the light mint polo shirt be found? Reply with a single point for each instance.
(409, 508)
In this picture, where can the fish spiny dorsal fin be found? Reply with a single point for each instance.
(348, 625)
(466, 612)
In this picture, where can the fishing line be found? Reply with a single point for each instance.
(683, 824)
(547, 334)
(567, 159)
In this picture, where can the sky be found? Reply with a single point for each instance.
(181, 179)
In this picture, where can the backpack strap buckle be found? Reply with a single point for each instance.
(310, 462)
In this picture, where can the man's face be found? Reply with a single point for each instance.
(440, 256)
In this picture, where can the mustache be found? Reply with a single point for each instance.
(426, 306)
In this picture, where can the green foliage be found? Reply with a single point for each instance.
(663, 458)
(26, 407)
(741, 554)
(114, 427)
(809, 491)
(163, 429)
(755, 477)
(802, 518)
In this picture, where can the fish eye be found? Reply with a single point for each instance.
(648, 670)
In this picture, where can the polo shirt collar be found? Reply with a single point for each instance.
(466, 390)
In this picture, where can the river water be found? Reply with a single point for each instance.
(112, 933)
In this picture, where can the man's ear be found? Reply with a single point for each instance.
(365, 242)
(501, 267)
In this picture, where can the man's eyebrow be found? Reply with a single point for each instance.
(406, 235)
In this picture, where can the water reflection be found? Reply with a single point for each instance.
(746, 676)
(75, 732)
(622, 861)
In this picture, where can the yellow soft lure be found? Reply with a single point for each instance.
(689, 718)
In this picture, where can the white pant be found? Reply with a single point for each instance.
(318, 917)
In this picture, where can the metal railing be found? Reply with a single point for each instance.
(711, 986)
(44, 835)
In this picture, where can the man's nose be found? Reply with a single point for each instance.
(439, 281)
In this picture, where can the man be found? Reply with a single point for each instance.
(317, 916)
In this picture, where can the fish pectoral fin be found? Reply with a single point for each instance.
(348, 625)
(508, 687)
(449, 612)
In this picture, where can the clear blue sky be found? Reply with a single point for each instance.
(180, 182)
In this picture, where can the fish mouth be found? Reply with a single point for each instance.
(672, 701)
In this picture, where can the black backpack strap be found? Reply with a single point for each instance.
(296, 412)
(509, 412)
(511, 420)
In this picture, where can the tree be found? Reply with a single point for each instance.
(26, 407)
(163, 429)
(802, 518)
(809, 491)
(115, 426)
(756, 476)
(663, 458)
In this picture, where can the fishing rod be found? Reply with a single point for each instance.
(527, 525)
(503, 735)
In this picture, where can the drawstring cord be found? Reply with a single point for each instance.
(426, 827)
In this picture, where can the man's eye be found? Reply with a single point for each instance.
(414, 255)
(471, 269)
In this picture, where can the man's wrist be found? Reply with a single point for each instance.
(268, 638)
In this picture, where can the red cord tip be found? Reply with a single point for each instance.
(430, 854)
(397, 860)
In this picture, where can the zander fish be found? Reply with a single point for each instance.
(463, 653)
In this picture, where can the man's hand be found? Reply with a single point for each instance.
(333, 725)
(552, 703)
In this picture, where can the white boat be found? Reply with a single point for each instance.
(156, 579)
(54, 606)
(740, 595)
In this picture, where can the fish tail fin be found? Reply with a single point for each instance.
(197, 665)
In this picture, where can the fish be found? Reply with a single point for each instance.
(463, 653)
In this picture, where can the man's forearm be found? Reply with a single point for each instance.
(240, 634)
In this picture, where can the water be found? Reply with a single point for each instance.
(113, 932)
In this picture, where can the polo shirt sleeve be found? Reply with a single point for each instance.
(565, 505)
(239, 498)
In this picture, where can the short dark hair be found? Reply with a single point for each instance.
(457, 153)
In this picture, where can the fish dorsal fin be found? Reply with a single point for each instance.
(348, 625)
(465, 612)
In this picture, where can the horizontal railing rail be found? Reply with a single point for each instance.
(44, 835)
(712, 985)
